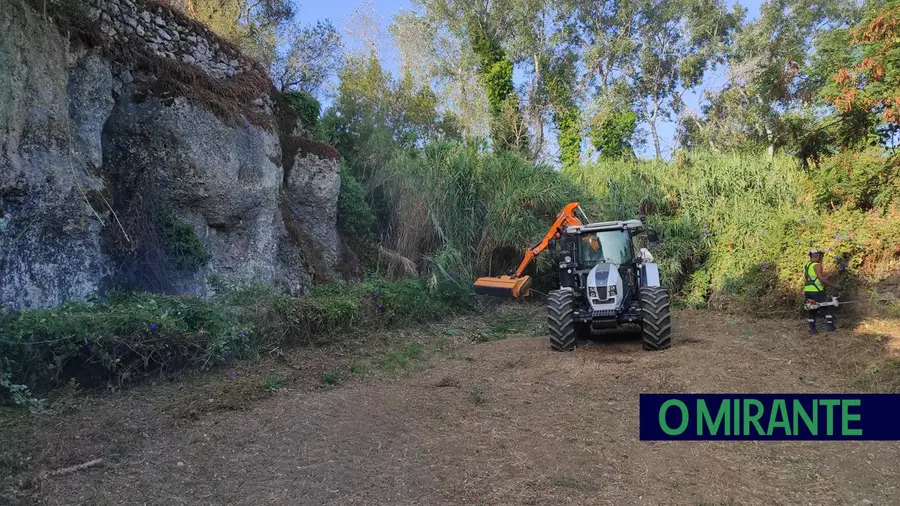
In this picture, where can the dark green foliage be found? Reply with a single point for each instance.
(306, 106)
(495, 69)
(560, 83)
(496, 72)
(569, 138)
(355, 215)
(183, 249)
(612, 134)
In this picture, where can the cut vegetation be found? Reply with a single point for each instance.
(395, 414)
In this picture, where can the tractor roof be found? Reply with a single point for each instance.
(633, 225)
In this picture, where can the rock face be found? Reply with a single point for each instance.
(313, 185)
(109, 180)
(49, 232)
(164, 34)
(223, 181)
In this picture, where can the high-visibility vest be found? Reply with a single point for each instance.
(812, 283)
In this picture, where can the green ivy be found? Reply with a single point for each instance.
(306, 106)
(565, 115)
(612, 133)
(355, 216)
(496, 72)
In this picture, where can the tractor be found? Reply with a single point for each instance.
(605, 281)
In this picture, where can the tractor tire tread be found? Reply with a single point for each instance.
(656, 319)
(561, 320)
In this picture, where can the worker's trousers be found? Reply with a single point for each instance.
(812, 313)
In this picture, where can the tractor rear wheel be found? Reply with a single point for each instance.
(561, 319)
(656, 324)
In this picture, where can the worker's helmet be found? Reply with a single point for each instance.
(814, 252)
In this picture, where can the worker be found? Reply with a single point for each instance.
(591, 249)
(814, 286)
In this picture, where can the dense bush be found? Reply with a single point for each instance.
(306, 106)
(355, 216)
(126, 337)
(741, 224)
(861, 180)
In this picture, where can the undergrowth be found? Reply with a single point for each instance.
(738, 226)
(129, 336)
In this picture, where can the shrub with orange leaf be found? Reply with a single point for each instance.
(873, 84)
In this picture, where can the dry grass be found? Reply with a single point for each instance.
(396, 265)
(230, 99)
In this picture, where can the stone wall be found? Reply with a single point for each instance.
(163, 32)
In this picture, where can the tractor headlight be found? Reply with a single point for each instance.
(592, 291)
(568, 259)
(612, 291)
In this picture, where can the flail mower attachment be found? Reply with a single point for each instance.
(503, 286)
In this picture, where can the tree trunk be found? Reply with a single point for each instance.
(536, 119)
(770, 138)
(467, 132)
(653, 132)
(655, 135)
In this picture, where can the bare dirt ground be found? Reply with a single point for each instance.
(476, 410)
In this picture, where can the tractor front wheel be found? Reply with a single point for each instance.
(561, 319)
(656, 324)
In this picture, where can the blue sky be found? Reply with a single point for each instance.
(339, 11)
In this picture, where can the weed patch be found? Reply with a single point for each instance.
(477, 395)
(273, 383)
(397, 359)
(332, 378)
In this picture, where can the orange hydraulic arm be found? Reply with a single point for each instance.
(566, 218)
(518, 285)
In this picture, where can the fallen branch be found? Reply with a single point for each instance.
(72, 469)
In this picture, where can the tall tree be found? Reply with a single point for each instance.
(484, 25)
(777, 66)
(374, 114)
(307, 58)
(674, 43)
(435, 56)
(871, 83)
(561, 84)
(643, 55)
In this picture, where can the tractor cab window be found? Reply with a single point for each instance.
(609, 246)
